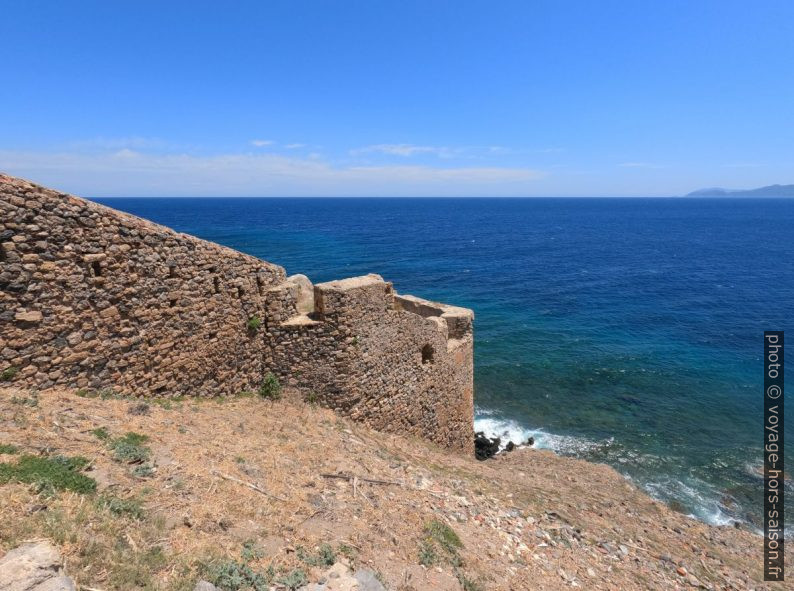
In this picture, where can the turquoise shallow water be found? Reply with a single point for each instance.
(627, 331)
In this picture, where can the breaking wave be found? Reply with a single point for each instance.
(704, 499)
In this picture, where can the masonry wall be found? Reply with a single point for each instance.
(95, 298)
(358, 340)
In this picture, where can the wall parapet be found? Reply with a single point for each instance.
(94, 298)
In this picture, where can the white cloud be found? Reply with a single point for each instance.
(136, 173)
(294, 146)
(262, 143)
(405, 150)
(465, 152)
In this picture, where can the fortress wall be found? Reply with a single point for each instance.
(94, 298)
(357, 342)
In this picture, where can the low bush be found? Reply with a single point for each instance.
(293, 580)
(143, 471)
(32, 400)
(427, 554)
(8, 374)
(253, 324)
(130, 448)
(440, 535)
(270, 387)
(119, 507)
(467, 583)
(325, 556)
(444, 535)
(101, 433)
(231, 575)
(49, 474)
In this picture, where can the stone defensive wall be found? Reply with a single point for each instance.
(92, 298)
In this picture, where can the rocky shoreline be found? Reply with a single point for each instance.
(487, 447)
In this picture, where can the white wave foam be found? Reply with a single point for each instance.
(506, 430)
(509, 430)
(699, 495)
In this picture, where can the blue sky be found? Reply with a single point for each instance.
(367, 97)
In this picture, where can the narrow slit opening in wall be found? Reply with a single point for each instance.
(216, 284)
(173, 303)
(96, 268)
(172, 271)
(427, 354)
(2, 253)
(240, 292)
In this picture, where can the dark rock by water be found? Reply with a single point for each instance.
(485, 447)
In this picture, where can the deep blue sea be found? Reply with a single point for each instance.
(625, 331)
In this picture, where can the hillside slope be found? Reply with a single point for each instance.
(281, 484)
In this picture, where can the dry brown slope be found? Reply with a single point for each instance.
(528, 520)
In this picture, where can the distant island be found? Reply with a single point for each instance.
(770, 191)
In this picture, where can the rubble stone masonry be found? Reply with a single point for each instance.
(92, 298)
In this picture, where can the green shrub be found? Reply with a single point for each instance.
(6, 448)
(109, 394)
(70, 463)
(143, 470)
(83, 393)
(8, 374)
(467, 583)
(168, 403)
(32, 400)
(446, 537)
(251, 551)
(270, 387)
(132, 508)
(101, 433)
(427, 553)
(325, 556)
(254, 323)
(439, 534)
(231, 575)
(130, 448)
(348, 552)
(294, 580)
(49, 474)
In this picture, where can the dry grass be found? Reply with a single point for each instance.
(196, 514)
